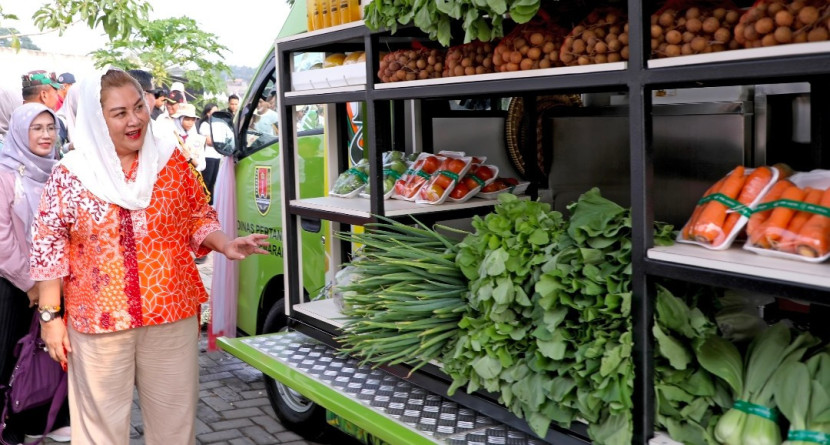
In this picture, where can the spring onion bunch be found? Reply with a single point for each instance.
(406, 306)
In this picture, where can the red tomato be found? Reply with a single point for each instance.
(431, 164)
(442, 181)
(484, 173)
(456, 165)
(494, 187)
(511, 181)
(470, 183)
(459, 191)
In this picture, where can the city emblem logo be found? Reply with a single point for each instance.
(262, 190)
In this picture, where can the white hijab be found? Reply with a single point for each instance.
(95, 162)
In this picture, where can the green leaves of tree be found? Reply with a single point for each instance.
(117, 17)
(481, 19)
(163, 45)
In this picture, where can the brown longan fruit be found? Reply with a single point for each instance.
(688, 36)
(672, 50)
(579, 46)
(423, 75)
(518, 43)
(566, 58)
(718, 47)
(512, 67)
(534, 53)
(800, 37)
(808, 15)
(624, 38)
(722, 35)
(739, 33)
(719, 13)
(711, 25)
(686, 49)
(421, 64)
(624, 53)
(601, 47)
(516, 57)
(666, 19)
(732, 17)
(583, 60)
(783, 18)
(544, 63)
(764, 26)
(601, 58)
(694, 25)
(614, 46)
(817, 35)
(656, 31)
(458, 70)
(548, 48)
(614, 57)
(611, 18)
(692, 13)
(698, 44)
(769, 40)
(655, 44)
(537, 39)
(674, 37)
(553, 56)
(750, 34)
(469, 71)
(783, 34)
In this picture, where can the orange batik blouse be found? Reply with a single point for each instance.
(124, 269)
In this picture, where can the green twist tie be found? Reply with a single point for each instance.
(392, 173)
(359, 174)
(409, 171)
(476, 179)
(424, 174)
(795, 205)
(809, 436)
(756, 410)
(449, 174)
(728, 202)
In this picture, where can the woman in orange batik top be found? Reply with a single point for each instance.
(119, 222)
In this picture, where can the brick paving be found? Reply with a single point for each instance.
(233, 406)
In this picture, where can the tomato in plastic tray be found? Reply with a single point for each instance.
(414, 178)
(438, 189)
(479, 176)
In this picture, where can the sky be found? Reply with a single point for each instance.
(246, 27)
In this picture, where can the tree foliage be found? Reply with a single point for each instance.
(171, 44)
(17, 41)
(116, 17)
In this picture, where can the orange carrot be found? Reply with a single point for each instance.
(710, 222)
(755, 183)
(787, 242)
(814, 237)
(757, 219)
(687, 229)
(779, 219)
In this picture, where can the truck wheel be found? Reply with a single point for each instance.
(295, 412)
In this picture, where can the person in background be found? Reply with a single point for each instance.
(66, 115)
(191, 143)
(212, 156)
(26, 161)
(66, 80)
(267, 118)
(9, 100)
(165, 124)
(41, 87)
(233, 104)
(120, 218)
(178, 86)
(173, 101)
(145, 79)
(158, 105)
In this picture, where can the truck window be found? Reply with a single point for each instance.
(263, 128)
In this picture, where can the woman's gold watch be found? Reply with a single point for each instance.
(49, 313)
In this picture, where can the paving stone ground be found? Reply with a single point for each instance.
(233, 405)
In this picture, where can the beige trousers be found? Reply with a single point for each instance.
(161, 361)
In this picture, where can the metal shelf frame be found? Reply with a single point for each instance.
(637, 79)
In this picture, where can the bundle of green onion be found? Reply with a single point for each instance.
(406, 306)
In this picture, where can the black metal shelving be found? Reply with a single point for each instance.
(638, 80)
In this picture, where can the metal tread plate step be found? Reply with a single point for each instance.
(433, 417)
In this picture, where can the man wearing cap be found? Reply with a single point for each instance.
(41, 87)
(66, 80)
(165, 124)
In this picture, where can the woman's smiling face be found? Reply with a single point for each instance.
(127, 116)
(42, 133)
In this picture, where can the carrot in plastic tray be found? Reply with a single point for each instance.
(726, 207)
(414, 178)
(438, 188)
(797, 225)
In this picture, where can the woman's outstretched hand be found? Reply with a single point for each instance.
(245, 246)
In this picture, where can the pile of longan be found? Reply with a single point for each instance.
(529, 48)
(694, 31)
(469, 59)
(411, 64)
(601, 38)
(777, 22)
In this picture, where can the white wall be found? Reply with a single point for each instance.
(16, 63)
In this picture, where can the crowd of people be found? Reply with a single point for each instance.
(105, 207)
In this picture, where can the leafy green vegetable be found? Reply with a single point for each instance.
(480, 19)
(551, 301)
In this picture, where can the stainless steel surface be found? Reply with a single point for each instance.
(694, 146)
(436, 417)
(480, 136)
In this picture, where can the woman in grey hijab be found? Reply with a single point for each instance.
(9, 100)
